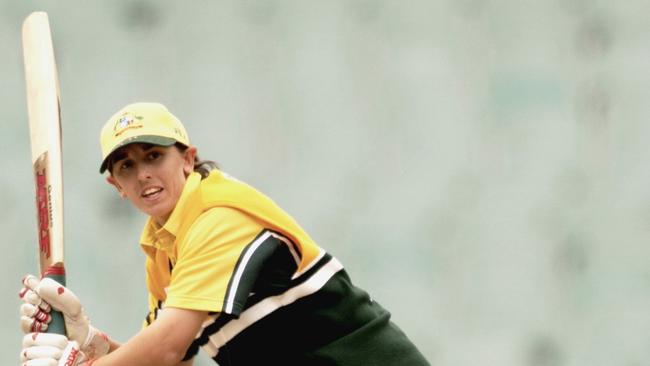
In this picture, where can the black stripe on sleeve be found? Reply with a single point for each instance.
(267, 270)
(293, 245)
(232, 277)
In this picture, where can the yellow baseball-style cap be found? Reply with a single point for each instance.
(148, 123)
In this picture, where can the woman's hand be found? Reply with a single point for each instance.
(44, 349)
(40, 295)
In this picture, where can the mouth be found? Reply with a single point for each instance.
(151, 193)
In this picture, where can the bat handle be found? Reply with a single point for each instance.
(57, 325)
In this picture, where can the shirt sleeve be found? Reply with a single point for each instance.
(207, 257)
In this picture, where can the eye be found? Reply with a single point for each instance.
(153, 155)
(125, 165)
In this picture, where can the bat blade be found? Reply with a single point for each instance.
(43, 108)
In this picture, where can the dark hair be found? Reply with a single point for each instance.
(203, 167)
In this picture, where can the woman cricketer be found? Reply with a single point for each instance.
(227, 271)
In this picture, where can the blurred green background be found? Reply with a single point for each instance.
(478, 166)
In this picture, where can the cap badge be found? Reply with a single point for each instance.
(126, 122)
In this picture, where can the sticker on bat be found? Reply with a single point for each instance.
(43, 204)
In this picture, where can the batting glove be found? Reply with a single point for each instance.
(43, 349)
(41, 295)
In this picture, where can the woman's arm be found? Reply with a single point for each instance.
(115, 345)
(163, 343)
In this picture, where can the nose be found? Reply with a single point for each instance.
(143, 173)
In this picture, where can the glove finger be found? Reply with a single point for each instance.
(30, 325)
(45, 339)
(35, 312)
(41, 362)
(59, 297)
(35, 352)
(30, 297)
(28, 310)
(30, 281)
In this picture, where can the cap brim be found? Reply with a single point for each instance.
(146, 139)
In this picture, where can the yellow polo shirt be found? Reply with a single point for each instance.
(273, 296)
(191, 260)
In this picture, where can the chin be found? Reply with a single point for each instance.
(159, 214)
(156, 212)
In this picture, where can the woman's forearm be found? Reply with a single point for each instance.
(163, 343)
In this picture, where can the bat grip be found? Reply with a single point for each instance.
(57, 324)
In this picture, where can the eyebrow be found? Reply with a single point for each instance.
(117, 156)
(121, 153)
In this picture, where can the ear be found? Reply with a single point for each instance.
(188, 160)
(111, 180)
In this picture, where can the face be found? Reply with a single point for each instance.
(151, 177)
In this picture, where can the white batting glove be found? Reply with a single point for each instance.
(43, 349)
(34, 312)
(40, 295)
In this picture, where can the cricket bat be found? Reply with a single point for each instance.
(43, 109)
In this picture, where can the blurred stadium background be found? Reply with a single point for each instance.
(478, 166)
